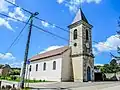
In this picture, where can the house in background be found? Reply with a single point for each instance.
(5, 70)
(72, 62)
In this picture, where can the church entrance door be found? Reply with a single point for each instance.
(88, 74)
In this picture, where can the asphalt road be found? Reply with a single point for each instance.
(71, 85)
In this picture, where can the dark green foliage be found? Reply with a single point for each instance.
(113, 67)
(2, 77)
(15, 71)
(40, 80)
(43, 80)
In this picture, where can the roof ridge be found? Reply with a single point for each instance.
(53, 50)
(50, 53)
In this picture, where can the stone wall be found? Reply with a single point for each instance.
(110, 75)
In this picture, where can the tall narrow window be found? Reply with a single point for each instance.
(36, 67)
(44, 66)
(87, 36)
(54, 65)
(30, 68)
(75, 34)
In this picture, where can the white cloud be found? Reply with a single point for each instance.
(17, 14)
(51, 48)
(74, 4)
(7, 56)
(95, 52)
(16, 64)
(5, 23)
(9, 59)
(89, 1)
(45, 24)
(60, 1)
(110, 44)
(4, 6)
(97, 64)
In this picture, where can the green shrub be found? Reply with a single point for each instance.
(43, 80)
(17, 79)
(13, 77)
(40, 80)
(8, 78)
(2, 77)
(34, 80)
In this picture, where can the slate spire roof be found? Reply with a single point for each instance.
(80, 16)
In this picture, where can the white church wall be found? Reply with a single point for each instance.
(66, 66)
(49, 74)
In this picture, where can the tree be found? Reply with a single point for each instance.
(114, 66)
(1, 65)
(106, 68)
(15, 71)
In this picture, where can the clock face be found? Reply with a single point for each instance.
(87, 45)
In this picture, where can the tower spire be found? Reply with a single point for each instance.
(80, 17)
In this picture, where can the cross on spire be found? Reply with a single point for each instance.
(80, 4)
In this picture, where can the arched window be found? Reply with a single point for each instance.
(36, 67)
(30, 68)
(44, 66)
(87, 36)
(54, 65)
(75, 34)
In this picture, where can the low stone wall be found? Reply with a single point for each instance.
(110, 75)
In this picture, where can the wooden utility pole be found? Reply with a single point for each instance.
(26, 51)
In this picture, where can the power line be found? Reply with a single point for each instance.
(39, 28)
(52, 24)
(17, 36)
(18, 6)
(35, 27)
(45, 30)
(37, 17)
(50, 33)
(43, 19)
(12, 18)
(49, 23)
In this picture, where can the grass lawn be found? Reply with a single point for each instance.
(17, 79)
(26, 81)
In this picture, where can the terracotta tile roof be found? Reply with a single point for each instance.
(49, 53)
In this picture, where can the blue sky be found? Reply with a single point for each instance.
(102, 14)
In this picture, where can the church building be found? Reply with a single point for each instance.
(74, 62)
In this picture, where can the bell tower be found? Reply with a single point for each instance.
(81, 48)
